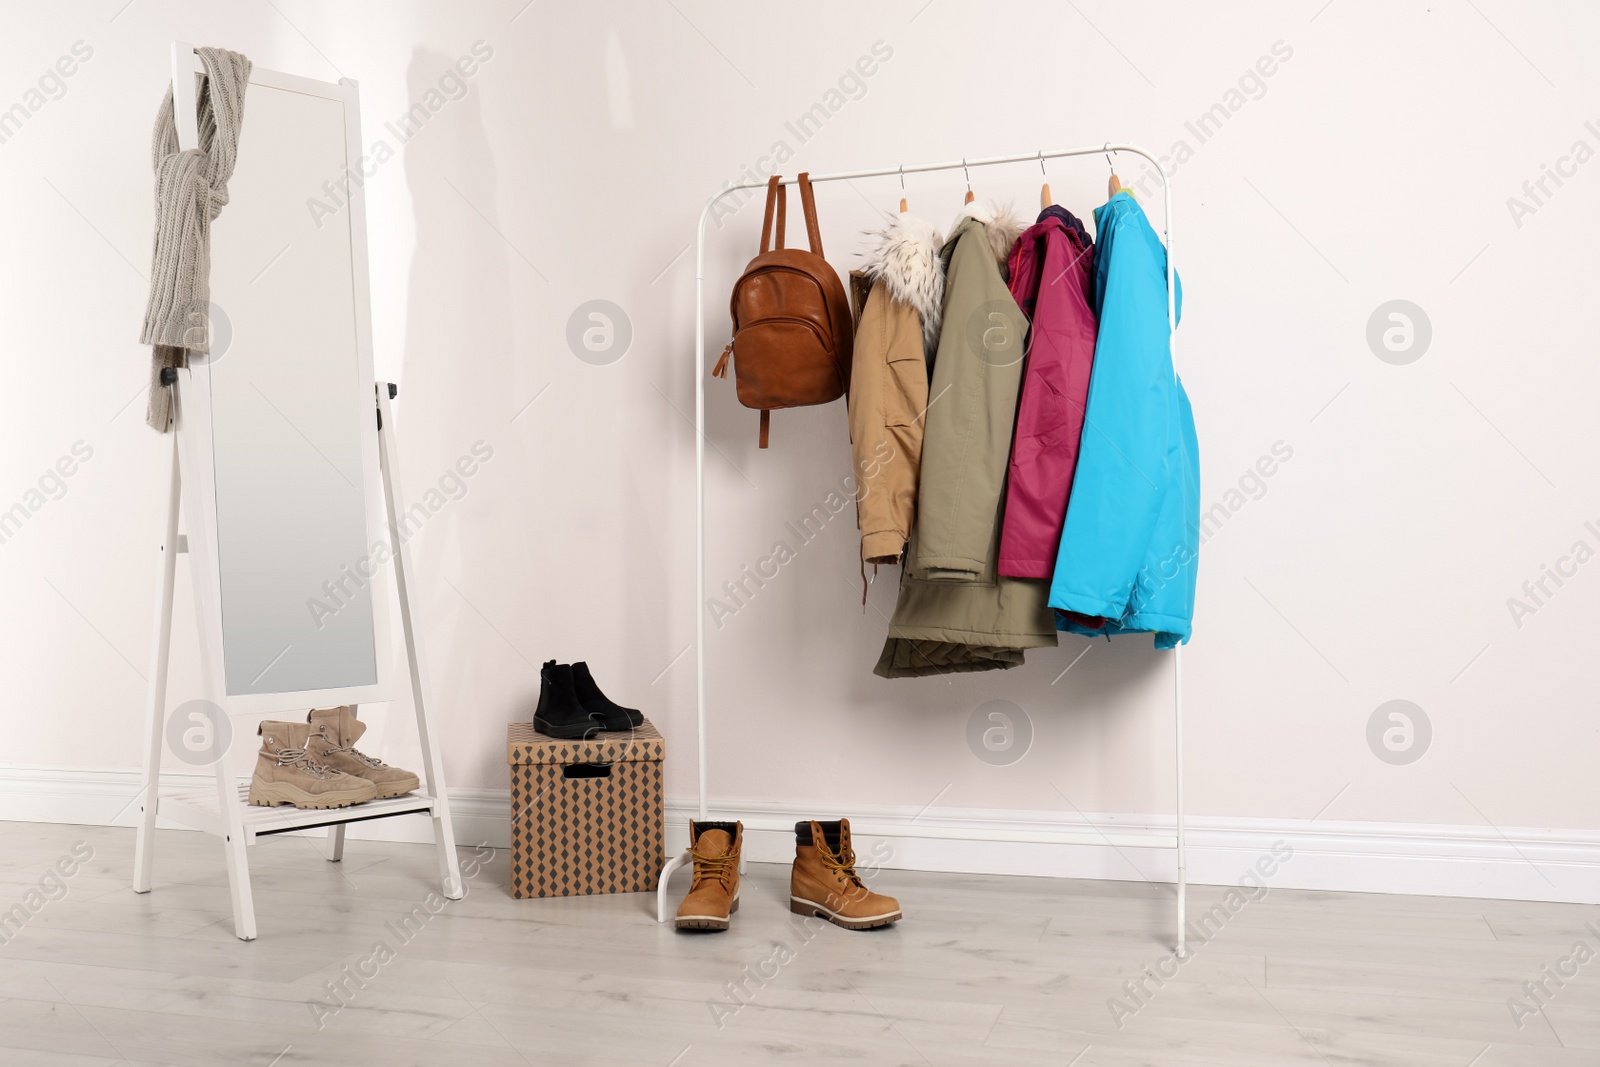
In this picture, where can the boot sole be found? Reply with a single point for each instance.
(707, 922)
(802, 906)
(567, 733)
(395, 791)
(271, 795)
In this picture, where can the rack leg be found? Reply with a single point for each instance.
(444, 836)
(1183, 842)
(444, 842)
(236, 853)
(244, 903)
(680, 860)
(155, 707)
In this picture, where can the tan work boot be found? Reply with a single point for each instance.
(714, 893)
(334, 733)
(824, 880)
(287, 774)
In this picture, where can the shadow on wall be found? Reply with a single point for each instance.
(458, 387)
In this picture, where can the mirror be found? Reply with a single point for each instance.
(286, 399)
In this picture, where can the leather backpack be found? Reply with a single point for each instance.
(791, 320)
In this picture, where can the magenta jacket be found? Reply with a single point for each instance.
(1052, 279)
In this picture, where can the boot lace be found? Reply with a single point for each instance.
(289, 756)
(713, 868)
(351, 750)
(842, 863)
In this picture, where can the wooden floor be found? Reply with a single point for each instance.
(984, 970)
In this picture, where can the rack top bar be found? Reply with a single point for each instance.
(958, 164)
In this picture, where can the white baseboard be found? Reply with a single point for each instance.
(1440, 860)
(1466, 861)
(108, 798)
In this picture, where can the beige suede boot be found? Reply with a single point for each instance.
(287, 774)
(334, 733)
(714, 894)
(824, 880)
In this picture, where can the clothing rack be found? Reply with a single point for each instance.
(1093, 835)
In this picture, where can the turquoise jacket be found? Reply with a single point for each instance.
(1131, 542)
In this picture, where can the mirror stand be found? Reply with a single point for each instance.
(224, 809)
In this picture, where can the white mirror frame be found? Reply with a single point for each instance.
(194, 427)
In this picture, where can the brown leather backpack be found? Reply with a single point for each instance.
(791, 321)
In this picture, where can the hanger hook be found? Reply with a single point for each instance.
(902, 177)
(1109, 165)
(965, 173)
(1041, 164)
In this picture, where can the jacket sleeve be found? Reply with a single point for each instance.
(971, 413)
(888, 392)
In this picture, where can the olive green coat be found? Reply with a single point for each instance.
(955, 613)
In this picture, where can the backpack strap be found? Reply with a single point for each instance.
(809, 203)
(766, 420)
(775, 199)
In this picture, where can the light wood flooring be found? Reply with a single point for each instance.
(984, 970)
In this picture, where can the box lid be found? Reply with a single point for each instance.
(524, 744)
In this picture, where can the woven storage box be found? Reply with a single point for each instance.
(586, 816)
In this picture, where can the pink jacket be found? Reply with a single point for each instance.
(1052, 279)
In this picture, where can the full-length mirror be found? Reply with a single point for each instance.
(287, 390)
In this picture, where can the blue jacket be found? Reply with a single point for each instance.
(1131, 542)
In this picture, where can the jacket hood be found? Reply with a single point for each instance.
(1001, 223)
(1067, 219)
(1028, 253)
(906, 257)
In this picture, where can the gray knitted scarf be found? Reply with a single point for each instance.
(191, 189)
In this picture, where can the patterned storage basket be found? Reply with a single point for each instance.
(586, 816)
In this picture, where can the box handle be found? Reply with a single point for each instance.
(586, 770)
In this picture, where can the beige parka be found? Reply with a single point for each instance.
(897, 297)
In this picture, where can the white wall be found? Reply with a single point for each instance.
(1374, 164)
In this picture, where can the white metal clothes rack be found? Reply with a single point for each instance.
(1091, 836)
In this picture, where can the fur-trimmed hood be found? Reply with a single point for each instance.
(1002, 224)
(906, 257)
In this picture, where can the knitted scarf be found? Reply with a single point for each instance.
(191, 189)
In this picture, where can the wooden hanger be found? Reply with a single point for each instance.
(970, 196)
(1044, 190)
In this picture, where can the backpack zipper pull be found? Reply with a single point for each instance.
(721, 369)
